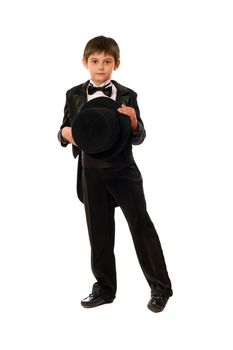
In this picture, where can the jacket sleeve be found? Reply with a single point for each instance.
(137, 137)
(65, 122)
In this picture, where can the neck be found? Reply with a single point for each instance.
(95, 83)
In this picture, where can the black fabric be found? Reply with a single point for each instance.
(103, 187)
(120, 160)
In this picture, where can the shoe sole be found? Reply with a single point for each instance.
(93, 306)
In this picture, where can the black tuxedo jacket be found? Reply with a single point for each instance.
(76, 97)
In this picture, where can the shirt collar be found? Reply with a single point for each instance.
(103, 84)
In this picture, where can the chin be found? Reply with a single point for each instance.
(101, 78)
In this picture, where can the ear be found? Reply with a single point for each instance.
(117, 64)
(84, 62)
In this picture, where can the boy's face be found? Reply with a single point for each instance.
(100, 66)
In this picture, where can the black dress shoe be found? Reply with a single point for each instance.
(157, 303)
(93, 300)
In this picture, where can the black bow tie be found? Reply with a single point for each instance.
(107, 90)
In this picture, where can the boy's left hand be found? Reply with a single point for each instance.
(130, 112)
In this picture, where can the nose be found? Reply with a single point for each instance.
(100, 66)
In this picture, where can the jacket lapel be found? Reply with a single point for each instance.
(81, 97)
(123, 96)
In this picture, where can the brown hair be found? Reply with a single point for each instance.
(102, 44)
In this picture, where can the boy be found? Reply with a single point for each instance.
(104, 184)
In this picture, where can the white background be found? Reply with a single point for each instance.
(178, 56)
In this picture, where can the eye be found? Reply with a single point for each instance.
(94, 61)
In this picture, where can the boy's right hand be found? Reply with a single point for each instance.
(67, 135)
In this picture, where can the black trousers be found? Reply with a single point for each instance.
(102, 189)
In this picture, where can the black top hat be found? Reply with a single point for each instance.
(100, 130)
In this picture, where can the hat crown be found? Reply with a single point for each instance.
(100, 130)
(97, 129)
